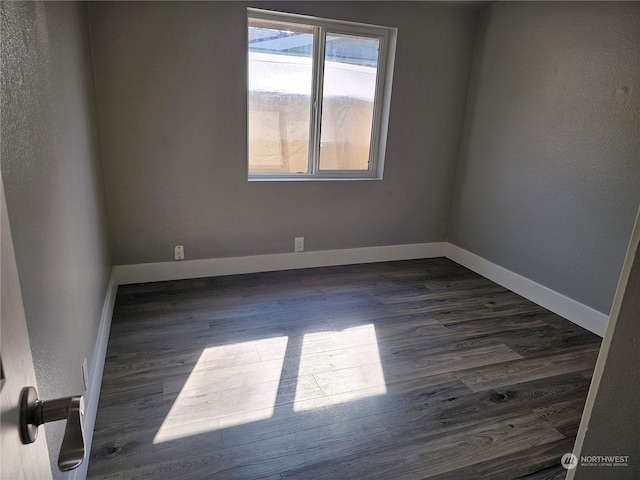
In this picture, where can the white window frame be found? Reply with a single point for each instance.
(382, 98)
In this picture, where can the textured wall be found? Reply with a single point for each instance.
(171, 90)
(54, 189)
(549, 175)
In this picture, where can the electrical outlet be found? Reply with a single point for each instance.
(178, 252)
(85, 374)
(298, 244)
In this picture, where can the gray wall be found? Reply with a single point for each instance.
(54, 189)
(549, 172)
(614, 425)
(171, 90)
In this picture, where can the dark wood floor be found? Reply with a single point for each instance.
(398, 370)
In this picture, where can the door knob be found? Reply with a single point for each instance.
(34, 412)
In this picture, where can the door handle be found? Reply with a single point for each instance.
(34, 412)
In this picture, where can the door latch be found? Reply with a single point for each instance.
(34, 412)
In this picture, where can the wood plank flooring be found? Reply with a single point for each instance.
(398, 370)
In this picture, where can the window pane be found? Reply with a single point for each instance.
(349, 87)
(280, 81)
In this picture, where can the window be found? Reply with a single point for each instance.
(318, 97)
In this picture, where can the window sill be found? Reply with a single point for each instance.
(312, 179)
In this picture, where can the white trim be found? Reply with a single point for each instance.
(341, 26)
(92, 395)
(606, 342)
(574, 311)
(212, 267)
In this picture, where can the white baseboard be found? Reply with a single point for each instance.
(212, 267)
(574, 311)
(92, 396)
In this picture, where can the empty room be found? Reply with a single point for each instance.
(320, 240)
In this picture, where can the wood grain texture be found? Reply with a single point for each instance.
(397, 370)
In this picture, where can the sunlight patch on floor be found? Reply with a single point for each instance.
(216, 387)
(349, 369)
